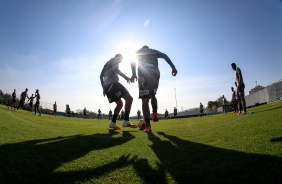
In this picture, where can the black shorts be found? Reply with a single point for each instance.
(148, 85)
(30, 104)
(115, 92)
(55, 110)
(14, 100)
(37, 104)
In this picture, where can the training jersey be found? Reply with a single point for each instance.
(233, 95)
(201, 107)
(23, 96)
(31, 99)
(238, 71)
(223, 101)
(148, 61)
(110, 72)
(14, 95)
(55, 106)
(37, 97)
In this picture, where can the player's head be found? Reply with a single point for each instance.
(26, 89)
(32, 95)
(233, 65)
(37, 91)
(235, 83)
(145, 47)
(14, 89)
(232, 89)
(119, 57)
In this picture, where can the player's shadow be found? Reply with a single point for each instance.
(191, 162)
(35, 161)
(278, 139)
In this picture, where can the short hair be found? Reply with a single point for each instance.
(118, 55)
(145, 47)
(233, 64)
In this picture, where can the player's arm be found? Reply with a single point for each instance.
(123, 76)
(133, 69)
(168, 60)
(101, 79)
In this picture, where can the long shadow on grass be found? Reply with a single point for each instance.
(35, 161)
(190, 162)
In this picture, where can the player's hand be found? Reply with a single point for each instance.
(174, 72)
(133, 77)
(128, 80)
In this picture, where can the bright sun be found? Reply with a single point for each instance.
(128, 51)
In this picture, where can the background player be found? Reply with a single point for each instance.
(37, 103)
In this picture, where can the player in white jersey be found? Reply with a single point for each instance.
(240, 89)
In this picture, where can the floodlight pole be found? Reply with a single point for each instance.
(175, 98)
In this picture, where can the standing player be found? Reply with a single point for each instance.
(240, 89)
(22, 98)
(31, 102)
(55, 109)
(37, 103)
(223, 104)
(174, 112)
(148, 80)
(84, 112)
(201, 109)
(14, 96)
(99, 114)
(139, 114)
(115, 91)
(110, 114)
(234, 100)
(166, 114)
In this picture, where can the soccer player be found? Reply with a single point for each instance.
(115, 91)
(31, 102)
(139, 114)
(22, 98)
(201, 109)
(234, 100)
(166, 114)
(14, 96)
(148, 80)
(174, 112)
(37, 103)
(84, 112)
(240, 89)
(223, 104)
(55, 108)
(110, 114)
(99, 114)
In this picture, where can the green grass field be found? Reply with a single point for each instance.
(212, 149)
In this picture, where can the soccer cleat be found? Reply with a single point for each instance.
(148, 129)
(155, 117)
(114, 125)
(127, 123)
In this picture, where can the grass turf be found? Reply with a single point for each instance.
(224, 148)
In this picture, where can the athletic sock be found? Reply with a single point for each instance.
(155, 109)
(126, 115)
(114, 119)
(147, 121)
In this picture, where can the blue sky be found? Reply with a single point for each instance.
(60, 47)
